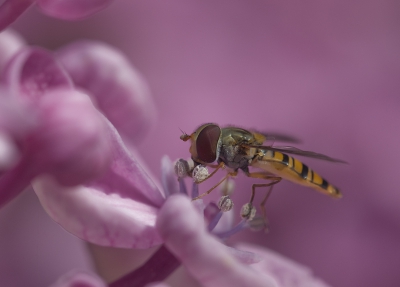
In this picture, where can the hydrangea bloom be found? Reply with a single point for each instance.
(10, 10)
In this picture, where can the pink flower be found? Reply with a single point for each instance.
(192, 243)
(10, 10)
(210, 263)
(84, 176)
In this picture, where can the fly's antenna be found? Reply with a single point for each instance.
(184, 135)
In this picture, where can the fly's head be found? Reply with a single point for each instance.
(205, 143)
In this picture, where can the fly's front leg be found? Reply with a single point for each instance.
(216, 168)
(229, 174)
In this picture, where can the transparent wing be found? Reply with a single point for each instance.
(296, 151)
(272, 136)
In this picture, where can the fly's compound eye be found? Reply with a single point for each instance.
(207, 143)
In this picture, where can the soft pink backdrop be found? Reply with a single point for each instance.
(327, 72)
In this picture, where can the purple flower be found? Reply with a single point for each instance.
(208, 261)
(188, 241)
(211, 264)
(84, 176)
(60, 117)
(118, 90)
(10, 10)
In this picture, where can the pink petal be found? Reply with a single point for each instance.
(286, 272)
(10, 10)
(79, 279)
(116, 209)
(226, 221)
(245, 257)
(15, 119)
(126, 176)
(118, 89)
(97, 217)
(33, 72)
(8, 152)
(10, 43)
(70, 140)
(72, 9)
(201, 254)
(15, 123)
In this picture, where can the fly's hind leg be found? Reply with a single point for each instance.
(274, 180)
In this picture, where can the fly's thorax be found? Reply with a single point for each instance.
(233, 135)
(229, 152)
(232, 151)
(234, 156)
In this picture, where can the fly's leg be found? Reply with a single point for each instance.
(216, 168)
(229, 174)
(274, 180)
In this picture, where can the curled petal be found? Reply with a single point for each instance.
(15, 119)
(8, 152)
(118, 89)
(202, 255)
(72, 9)
(285, 271)
(15, 123)
(33, 72)
(10, 10)
(79, 279)
(97, 217)
(70, 140)
(125, 176)
(116, 209)
(10, 43)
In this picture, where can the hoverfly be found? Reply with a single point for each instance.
(238, 149)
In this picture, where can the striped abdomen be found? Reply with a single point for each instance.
(294, 170)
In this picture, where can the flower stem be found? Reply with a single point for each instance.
(156, 269)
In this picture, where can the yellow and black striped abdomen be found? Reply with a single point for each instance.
(294, 170)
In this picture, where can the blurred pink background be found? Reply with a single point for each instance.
(326, 72)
